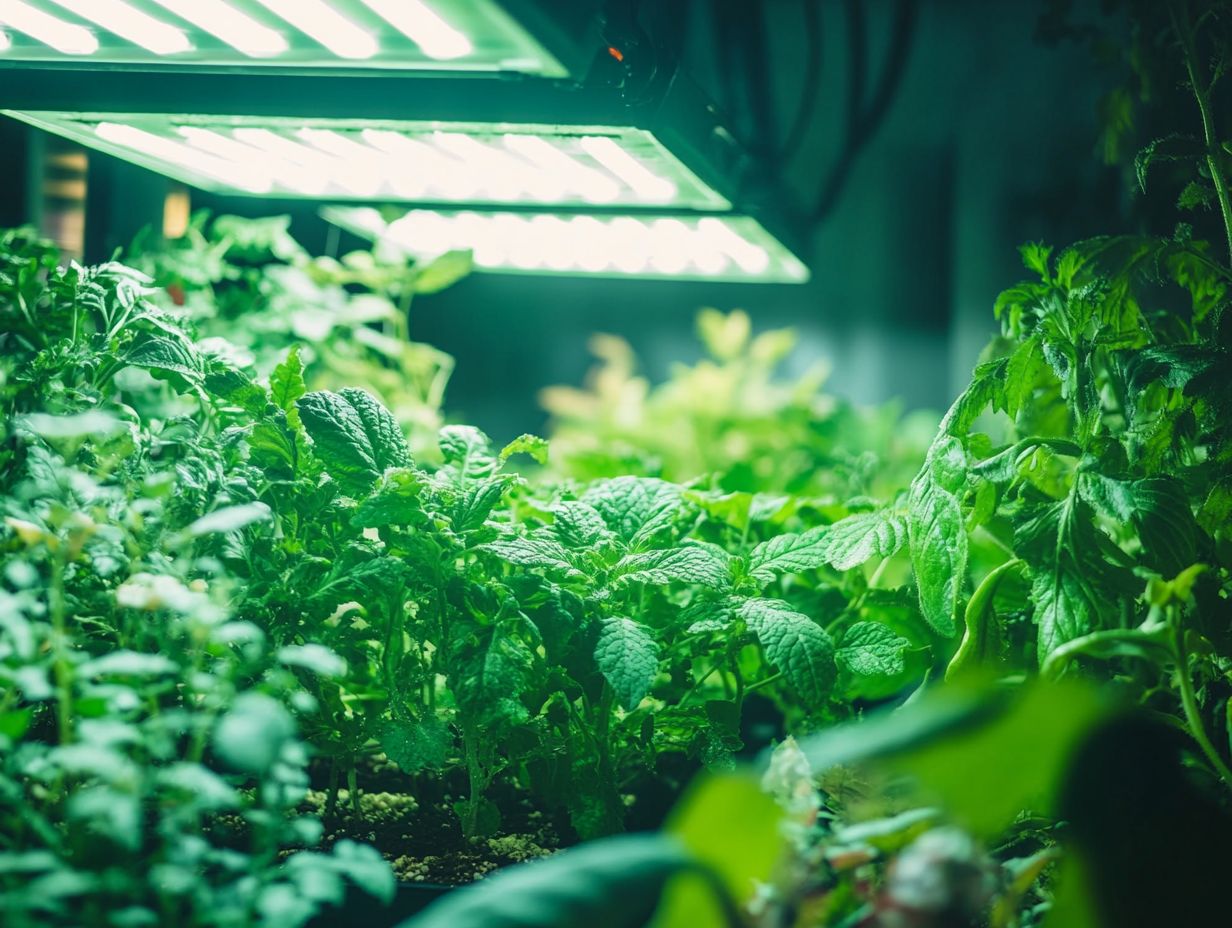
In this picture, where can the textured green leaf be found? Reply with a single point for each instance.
(532, 445)
(579, 525)
(415, 744)
(635, 508)
(1069, 577)
(396, 500)
(871, 649)
(533, 552)
(628, 658)
(168, 356)
(468, 454)
(788, 553)
(1166, 525)
(858, 538)
(796, 645)
(475, 503)
(287, 382)
(937, 533)
(706, 565)
(494, 676)
(373, 581)
(706, 614)
(355, 437)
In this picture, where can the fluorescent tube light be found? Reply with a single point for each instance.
(66, 38)
(423, 26)
(130, 23)
(225, 22)
(321, 22)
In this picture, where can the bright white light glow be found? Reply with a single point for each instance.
(225, 22)
(324, 24)
(629, 169)
(587, 183)
(349, 176)
(289, 174)
(423, 26)
(371, 161)
(66, 38)
(505, 177)
(615, 246)
(5, 41)
(130, 23)
(441, 173)
(753, 259)
(244, 177)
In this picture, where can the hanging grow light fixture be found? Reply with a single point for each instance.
(592, 177)
(718, 247)
(458, 35)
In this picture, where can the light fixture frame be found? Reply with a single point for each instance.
(561, 31)
(678, 115)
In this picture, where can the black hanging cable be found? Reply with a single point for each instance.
(812, 82)
(863, 121)
(757, 76)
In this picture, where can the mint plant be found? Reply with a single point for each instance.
(150, 766)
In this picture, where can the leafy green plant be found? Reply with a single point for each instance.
(149, 759)
(249, 285)
(732, 418)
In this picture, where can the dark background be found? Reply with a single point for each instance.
(990, 141)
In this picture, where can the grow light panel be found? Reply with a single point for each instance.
(457, 35)
(422, 162)
(683, 247)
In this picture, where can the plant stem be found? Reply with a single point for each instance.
(1201, 91)
(1193, 715)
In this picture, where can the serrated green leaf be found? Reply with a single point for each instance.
(788, 553)
(533, 552)
(532, 445)
(938, 534)
(858, 538)
(287, 382)
(705, 565)
(578, 525)
(628, 658)
(355, 437)
(635, 508)
(173, 356)
(796, 645)
(397, 500)
(475, 503)
(468, 455)
(706, 614)
(871, 649)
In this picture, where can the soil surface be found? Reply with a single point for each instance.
(413, 824)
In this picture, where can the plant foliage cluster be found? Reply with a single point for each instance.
(240, 550)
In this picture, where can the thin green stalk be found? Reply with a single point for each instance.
(1202, 94)
(1193, 715)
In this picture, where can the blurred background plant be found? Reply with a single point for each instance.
(732, 421)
